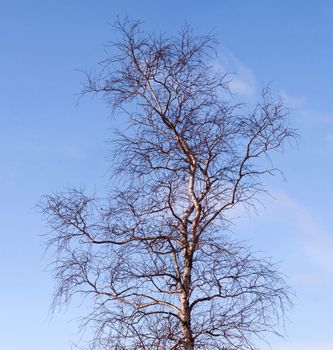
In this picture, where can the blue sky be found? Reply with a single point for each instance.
(48, 141)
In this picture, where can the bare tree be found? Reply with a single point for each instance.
(155, 256)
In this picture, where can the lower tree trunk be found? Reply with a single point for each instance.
(188, 340)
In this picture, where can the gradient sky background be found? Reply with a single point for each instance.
(47, 142)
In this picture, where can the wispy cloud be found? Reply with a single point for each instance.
(35, 145)
(293, 102)
(304, 346)
(241, 77)
(316, 239)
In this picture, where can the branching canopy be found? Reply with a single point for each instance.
(154, 255)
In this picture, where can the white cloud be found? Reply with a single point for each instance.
(317, 240)
(242, 79)
(293, 102)
(307, 279)
(304, 346)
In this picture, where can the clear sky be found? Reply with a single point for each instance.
(48, 142)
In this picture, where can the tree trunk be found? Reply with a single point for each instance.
(185, 304)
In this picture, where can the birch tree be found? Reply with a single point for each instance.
(155, 255)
